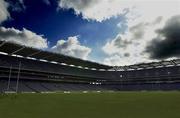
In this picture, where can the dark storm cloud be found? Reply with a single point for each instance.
(167, 44)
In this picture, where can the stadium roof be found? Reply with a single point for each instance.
(16, 49)
(175, 62)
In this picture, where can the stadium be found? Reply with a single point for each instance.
(25, 69)
(89, 59)
(63, 83)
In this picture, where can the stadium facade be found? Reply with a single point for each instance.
(26, 69)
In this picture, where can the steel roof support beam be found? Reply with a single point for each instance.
(17, 50)
(161, 64)
(34, 53)
(58, 60)
(177, 61)
(125, 68)
(152, 65)
(173, 62)
(131, 67)
(46, 57)
(143, 66)
(2, 43)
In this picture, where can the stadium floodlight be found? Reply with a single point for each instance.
(43, 60)
(19, 56)
(102, 70)
(28, 57)
(31, 58)
(150, 67)
(111, 70)
(64, 64)
(79, 66)
(54, 62)
(14, 55)
(72, 65)
(93, 69)
(3, 53)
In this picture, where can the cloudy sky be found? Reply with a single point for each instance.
(113, 32)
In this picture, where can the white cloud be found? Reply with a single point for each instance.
(72, 47)
(118, 60)
(24, 37)
(143, 21)
(98, 10)
(4, 14)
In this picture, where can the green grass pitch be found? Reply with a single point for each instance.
(91, 105)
